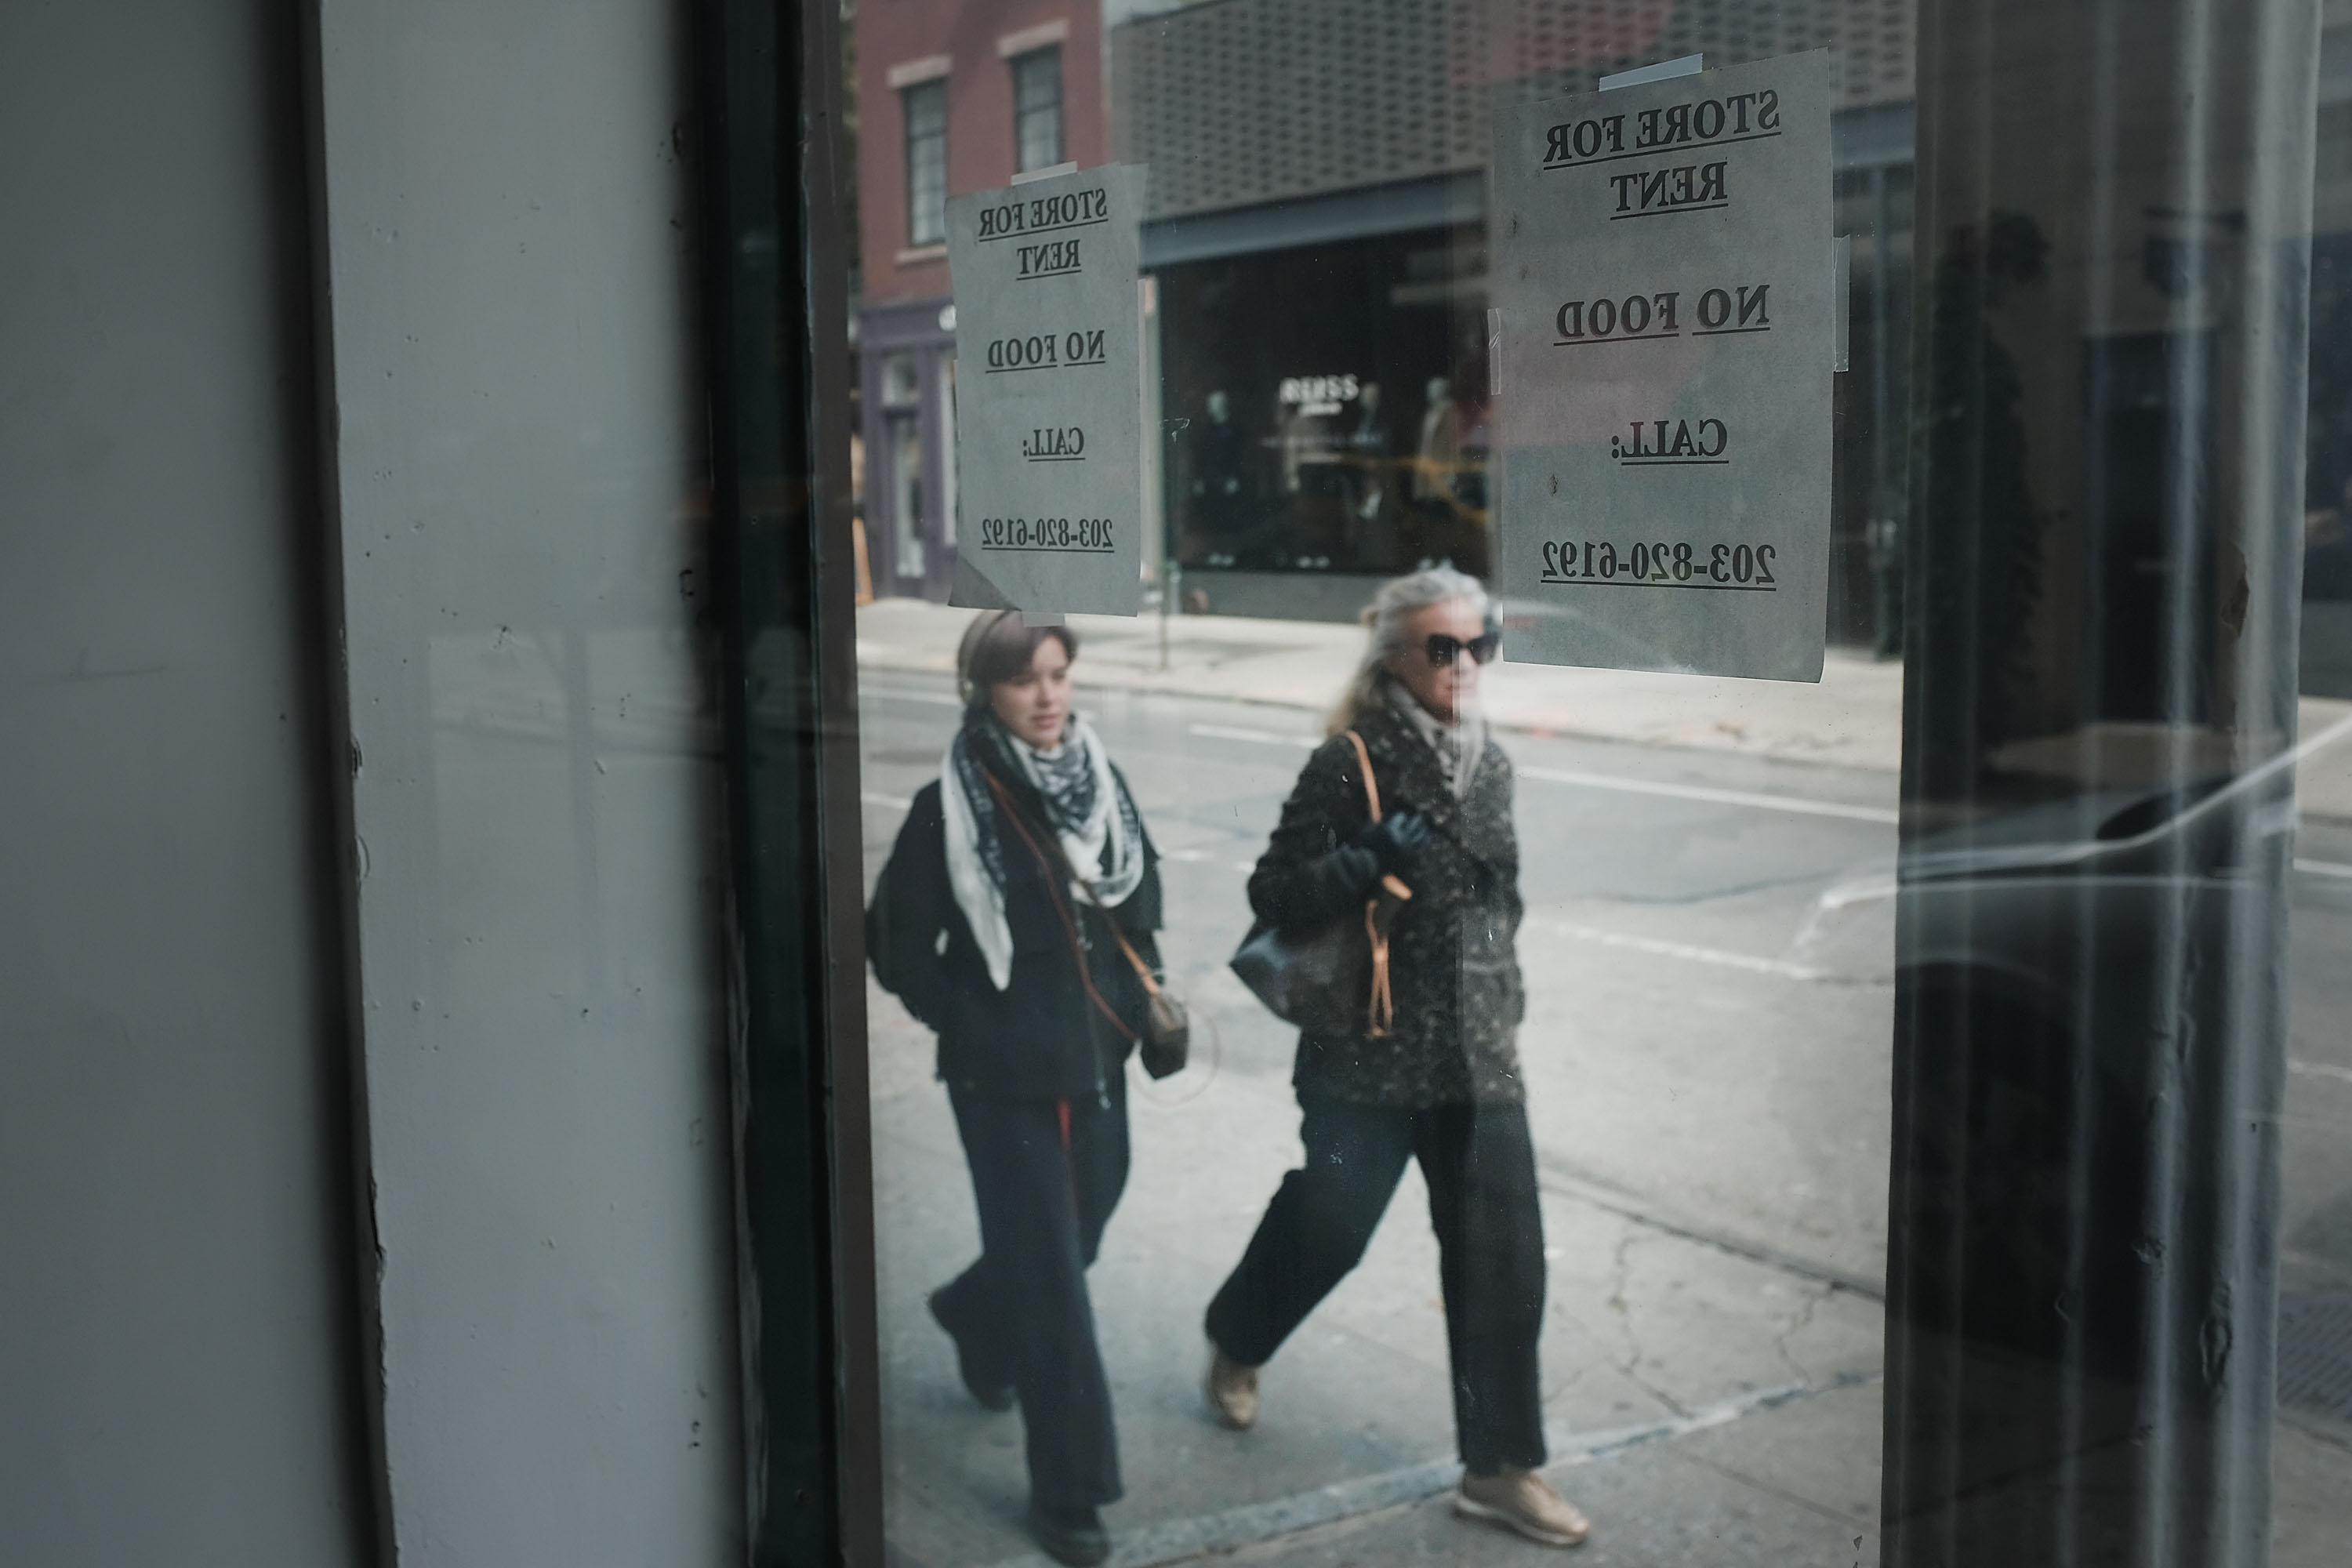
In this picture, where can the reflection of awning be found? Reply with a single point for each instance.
(1461, 293)
(1874, 138)
(1439, 201)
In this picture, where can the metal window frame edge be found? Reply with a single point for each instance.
(775, 331)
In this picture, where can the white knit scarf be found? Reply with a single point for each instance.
(1089, 807)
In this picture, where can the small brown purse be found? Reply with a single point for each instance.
(1166, 1042)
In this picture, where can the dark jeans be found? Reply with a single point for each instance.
(1022, 1312)
(1480, 1171)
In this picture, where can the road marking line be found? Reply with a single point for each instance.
(2319, 1069)
(1261, 737)
(2323, 868)
(910, 694)
(2328, 736)
(894, 802)
(1607, 781)
(1684, 950)
(1790, 802)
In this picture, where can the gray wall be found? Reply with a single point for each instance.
(174, 1351)
(490, 463)
(520, 477)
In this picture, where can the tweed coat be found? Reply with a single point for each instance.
(1453, 950)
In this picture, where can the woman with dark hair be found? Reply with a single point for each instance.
(1436, 1076)
(1015, 919)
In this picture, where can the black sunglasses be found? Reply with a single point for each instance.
(1444, 650)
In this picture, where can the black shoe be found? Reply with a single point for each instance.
(991, 1396)
(1072, 1535)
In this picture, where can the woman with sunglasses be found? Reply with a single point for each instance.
(1013, 919)
(1439, 1083)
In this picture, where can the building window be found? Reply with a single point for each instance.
(925, 105)
(1037, 109)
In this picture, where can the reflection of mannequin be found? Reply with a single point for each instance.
(1371, 438)
(1371, 481)
(1471, 411)
(1218, 452)
(1219, 455)
(1440, 447)
(1299, 441)
(1372, 442)
(1217, 463)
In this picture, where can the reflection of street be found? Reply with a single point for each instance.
(1708, 956)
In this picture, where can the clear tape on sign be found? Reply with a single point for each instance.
(1840, 299)
(1687, 65)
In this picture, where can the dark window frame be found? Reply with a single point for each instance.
(927, 189)
(775, 315)
(1028, 68)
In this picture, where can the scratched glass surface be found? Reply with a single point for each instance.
(2005, 424)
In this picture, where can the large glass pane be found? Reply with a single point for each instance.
(2008, 926)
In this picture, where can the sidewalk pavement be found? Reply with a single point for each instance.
(1704, 1407)
(1708, 1404)
(1852, 718)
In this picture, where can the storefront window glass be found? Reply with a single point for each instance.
(1037, 109)
(925, 107)
(946, 396)
(1899, 1116)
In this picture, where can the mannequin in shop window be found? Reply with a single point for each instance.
(1220, 513)
(1371, 452)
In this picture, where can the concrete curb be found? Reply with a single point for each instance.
(1178, 1540)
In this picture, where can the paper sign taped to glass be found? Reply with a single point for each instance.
(1049, 407)
(1665, 298)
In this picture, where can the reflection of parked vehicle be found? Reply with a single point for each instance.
(2081, 1001)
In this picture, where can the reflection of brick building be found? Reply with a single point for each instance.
(954, 96)
(1347, 145)
(1342, 173)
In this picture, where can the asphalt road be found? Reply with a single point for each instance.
(1708, 950)
(1701, 1039)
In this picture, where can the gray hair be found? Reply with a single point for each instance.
(1399, 600)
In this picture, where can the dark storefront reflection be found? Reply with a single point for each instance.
(2328, 489)
(2067, 492)
(1329, 407)
(2098, 812)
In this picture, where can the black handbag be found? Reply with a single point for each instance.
(1166, 1040)
(1334, 981)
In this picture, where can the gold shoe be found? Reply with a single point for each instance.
(1522, 1501)
(1232, 1390)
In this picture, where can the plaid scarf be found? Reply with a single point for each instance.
(1085, 804)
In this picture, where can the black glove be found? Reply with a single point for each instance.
(1325, 887)
(1395, 839)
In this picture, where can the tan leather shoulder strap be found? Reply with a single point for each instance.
(1142, 969)
(1364, 762)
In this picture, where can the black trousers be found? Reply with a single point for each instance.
(1480, 1167)
(1046, 1174)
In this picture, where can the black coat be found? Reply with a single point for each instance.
(1040, 1037)
(1454, 966)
